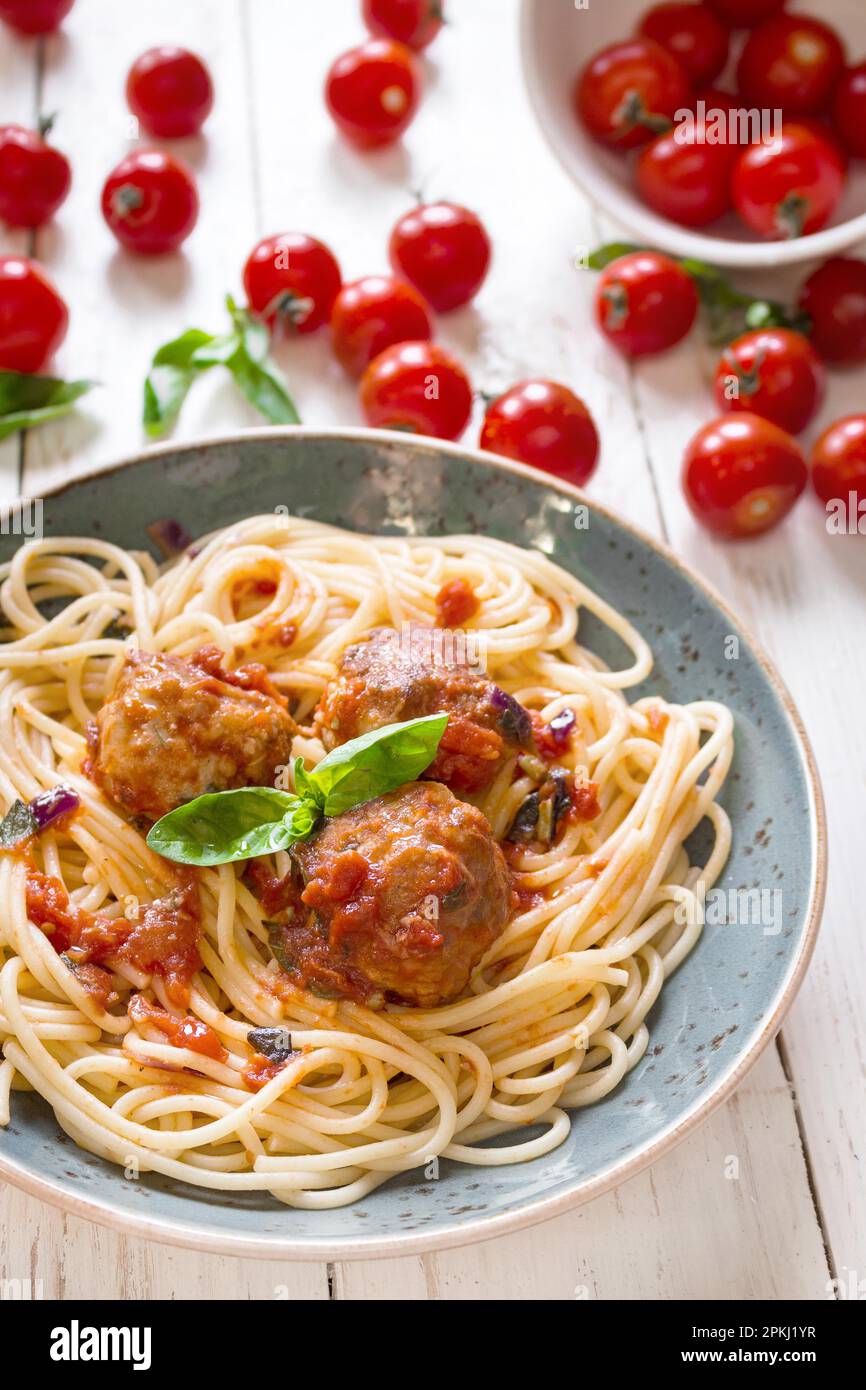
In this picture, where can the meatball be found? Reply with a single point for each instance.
(392, 676)
(398, 898)
(175, 728)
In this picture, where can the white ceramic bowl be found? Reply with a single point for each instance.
(558, 36)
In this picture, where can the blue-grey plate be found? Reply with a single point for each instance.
(715, 1014)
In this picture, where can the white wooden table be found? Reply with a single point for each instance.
(795, 1218)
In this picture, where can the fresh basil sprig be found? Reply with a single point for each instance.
(243, 350)
(729, 312)
(222, 827)
(27, 400)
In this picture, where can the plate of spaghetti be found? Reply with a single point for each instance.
(396, 848)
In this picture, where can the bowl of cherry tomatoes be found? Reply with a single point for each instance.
(732, 131)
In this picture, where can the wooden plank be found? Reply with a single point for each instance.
(65, 1258)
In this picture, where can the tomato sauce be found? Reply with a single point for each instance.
(188, 1032)
(164, 940)
(456, 603)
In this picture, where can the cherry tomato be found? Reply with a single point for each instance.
(150, 202)
(772, 372)
(418, 387)
(35, 16)
(839, 460)
(34, 177)
(33, 317)
(849, 110)
(790, 186)
(291, 281)
(683, 176)
(645, 303)
(714, 100)
(545, 425)
(693, 34)
(373, 91)
(744, 14)
(834, 297)
(170, 91)
(629, 92)
(443, 250)
(371, 314)
(742, 475)
(792, 62)
(413, 22)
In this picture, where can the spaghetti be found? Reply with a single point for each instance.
(554, 1015)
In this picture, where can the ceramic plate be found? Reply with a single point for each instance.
(715, 1014)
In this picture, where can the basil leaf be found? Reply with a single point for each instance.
(604, 256)
(18, 824)
(27, 400)
(305, 786)
(218, 352)
(221, 827)
(263, 389)
(376, 763)
(171, 374)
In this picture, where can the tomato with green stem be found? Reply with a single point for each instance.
(790, 186)
(373, 313)
(774, 373)
(33, 316)
(645, 303)
(413, 22)
(291, 281)
(630, 92)
(34, 177)
(742, 475)
(150, 202)
(545, 425)
(372, 92)
(417, 387)
(839, 461)
(834, 297)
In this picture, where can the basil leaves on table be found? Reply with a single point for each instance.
(222, 827)
(27, 400)
(243, 350)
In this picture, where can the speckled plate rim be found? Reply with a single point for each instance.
(538, 1209)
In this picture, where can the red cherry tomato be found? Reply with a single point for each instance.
(849, 110)
(35, 16)
(418, 387)
(33, 317)
(744, 14)
(34, 177)
(170, 91)
(371, 314)
(839, 461)
(792, 62)
(545, 425)
(645, 303)
(714, 99)
(291, 281)
(443, 250)
(693, 34)
(772, 372)
(742, 475)
(834, 297)
(413, 22)
(790, 186)
(373, 91)
(629, 92)
(150, 202)
(683, 176)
